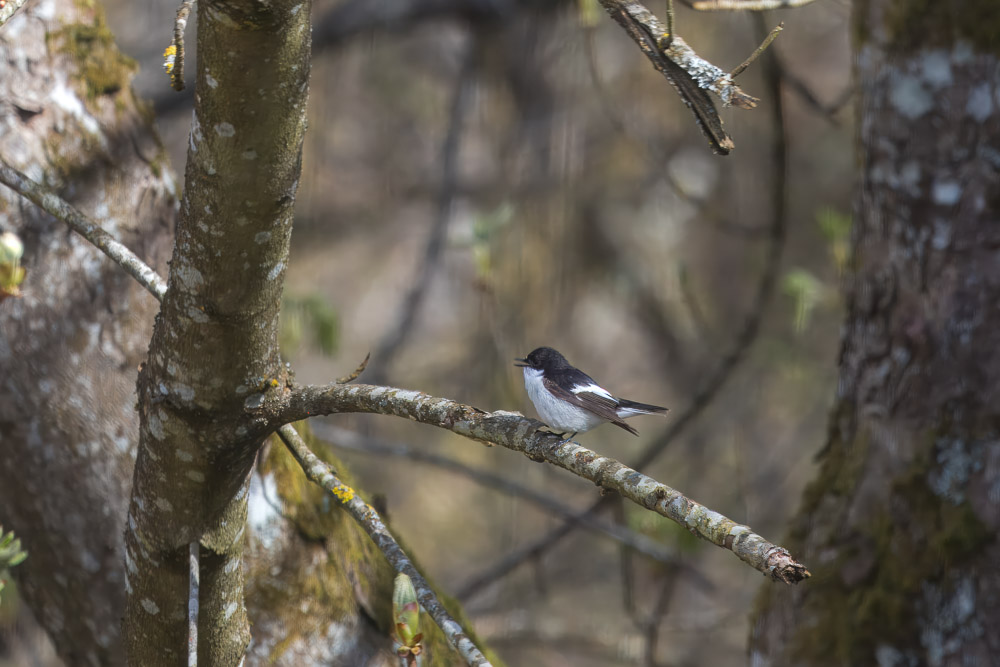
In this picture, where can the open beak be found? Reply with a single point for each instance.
(522, 363)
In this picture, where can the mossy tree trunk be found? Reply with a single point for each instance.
(900, 525)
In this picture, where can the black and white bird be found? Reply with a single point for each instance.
(569, 401)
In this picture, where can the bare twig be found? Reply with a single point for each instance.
(346, 439)
(58, 208)
(394, 339)
(8, 8)
(771, 36)
(357, 371)
(513, 431)
(174, 55)
(369, 520)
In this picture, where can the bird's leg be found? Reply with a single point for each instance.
(565, 439)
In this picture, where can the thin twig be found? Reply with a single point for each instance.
(194, 584)
(665, 43)
(395, 338)
(771, 36)
(58, 208)
(357, 371)
(751, 5)
(369, 520)
(345, 439)
(8, 8)
(174, 55)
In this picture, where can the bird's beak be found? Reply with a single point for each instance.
(522, 363)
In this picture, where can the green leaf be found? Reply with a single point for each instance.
(806, 291)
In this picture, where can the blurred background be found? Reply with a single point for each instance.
(483, 177)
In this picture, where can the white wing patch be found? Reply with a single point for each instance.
(593, 389)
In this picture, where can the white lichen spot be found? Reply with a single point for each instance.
(946, 193)
(164, 505)
(195, 476)
(254, 402)
(89, 562)
(188, 275)
(262, 237)
(249, 154)
(210, 80)
(909, 96)
(942, 235)
(937, 69)
(225, 130)
(155, 426)
(195, 137)
(184, 455)
(980, 103)
(295, 10)
(230, 610)
(197, 315)
(150, 606)
(275, 271)
(186, 392)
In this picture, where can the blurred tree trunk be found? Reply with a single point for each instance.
(318, 591)
(899, 528)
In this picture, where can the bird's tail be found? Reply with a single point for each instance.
(629, 408)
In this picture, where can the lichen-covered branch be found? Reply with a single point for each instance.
(8, 8)
(58, 208)
(174, 55)
(365, 515)
(705, 74)
(514, 431)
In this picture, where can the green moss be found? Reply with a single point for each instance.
(915, 25)
(345, 567)
(102, 68)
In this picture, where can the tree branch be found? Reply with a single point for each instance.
(174, 55)
(58, 208)
(366, 517)
(8, 8)
(512, 430)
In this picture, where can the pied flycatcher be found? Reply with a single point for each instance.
(568, 400)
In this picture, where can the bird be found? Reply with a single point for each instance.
(570, 401)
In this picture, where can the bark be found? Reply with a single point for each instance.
(899, 528)
(215, 342)
(70, 346)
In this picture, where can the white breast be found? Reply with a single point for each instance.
(556, 413)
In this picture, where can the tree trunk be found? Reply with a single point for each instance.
(318, 591)
(69, 348)
(900, 526)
